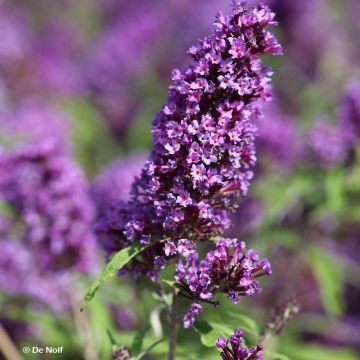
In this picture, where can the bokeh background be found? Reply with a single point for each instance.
(80, 82)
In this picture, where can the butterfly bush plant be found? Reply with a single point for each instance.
(200, 167)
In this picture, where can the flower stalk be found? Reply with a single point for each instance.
(174, 325)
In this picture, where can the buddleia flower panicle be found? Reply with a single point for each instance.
(327, 143)
(227, 269)
(282, 314)
(203, 142)
(349, 114)
(47, 191)
(234, 348)
(114, 181)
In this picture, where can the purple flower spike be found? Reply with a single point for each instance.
(189, 317)
(237, 350)
(328, 143)
(170, 248)
(47, 190)
(221, 342)
(349, 114)
(203, 144)
(113, 184)
(227, 269)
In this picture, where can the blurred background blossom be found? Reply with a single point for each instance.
(80, 82)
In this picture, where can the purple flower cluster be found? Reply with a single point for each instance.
(349, 113)
(118, 57)
(235, 349)
(113, 184)
(15, 36)
(33, 122)
(189, 318)
(203, 151)
(305, 29)
(332, 143)
(133, 40)
(227, 269)
(20, 276)
(37, 62)
(47, 192)
(56, 60)
(277, 136)
(327, 142)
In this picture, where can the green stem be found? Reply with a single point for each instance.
(173, 325)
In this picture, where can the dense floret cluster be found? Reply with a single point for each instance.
(349, 113)
(46, 192)
(203, 151)
(113, 184)
(277, 140)
(327, 142)
(235, 349)
(18, 277)
(227, 269)
(122, 46)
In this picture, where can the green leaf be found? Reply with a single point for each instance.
(210, 332)
(112, 340)
(119, 260)
(329, 277)
(245, 323)
(87, 124)
(280, 196)
(152, 346)
(171, 283)
(302, 351)
(5, 208)
(155, 322)
(334, 191)
(138, 340)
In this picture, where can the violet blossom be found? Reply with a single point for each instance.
(118, 57)
(327, 142)
(234, 348)
(277, 138)
(47, 191)
(113, 184)
(57, 50)
(349, 114)
(203, 154)
(21, 277)
(227, 269)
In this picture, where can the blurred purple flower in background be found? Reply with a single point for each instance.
(305, 30)
(277, 138)
(57, 59)
(15, 37)
(123, 317)
(119, 57)
(33, 122)
(113, 184)
(20, 277)
(327, 142)
(46, 191)
(349, 113)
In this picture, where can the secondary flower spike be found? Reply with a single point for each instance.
(203, 152)
(227, 269)
(235, 349)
